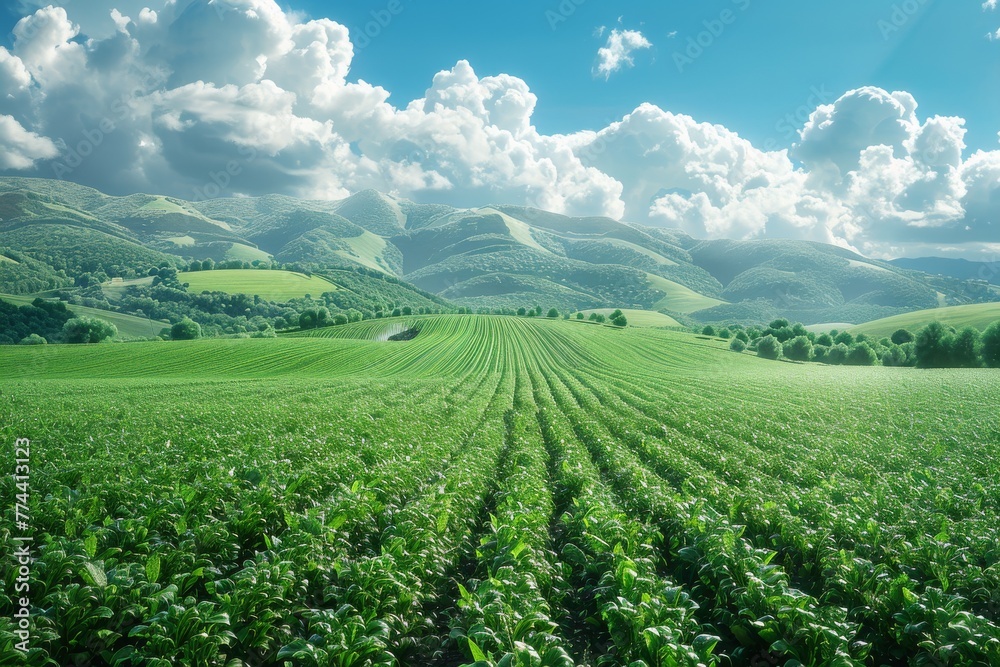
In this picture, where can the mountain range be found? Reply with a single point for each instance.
(496, 256)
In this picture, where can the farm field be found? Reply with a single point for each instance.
(129, 326)
(678, 298)
(978, 315)
(270, 285)
(499, 491)
(638, 318)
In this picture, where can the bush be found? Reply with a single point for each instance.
(553, 313)
(620, 321)
(894, 356)
(933, 345)
(33, 339)
(726, 334)
(339, 319)
(989, 344)
(901, 337)
(82, 330)
(186, 329)
(737, 345)
(838, 354)
(798, 349)
(709, 330)
(824, 339)
(964, 349)
(820, 353)
(579, 316)
(742, 335)
(861, 355)
(769, 347)
(844, 338)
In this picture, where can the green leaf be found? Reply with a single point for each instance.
(90, 545)
(94, 575)
(477, 653)
(153, 568)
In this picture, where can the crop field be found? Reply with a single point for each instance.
(498, 491)
(270, 285)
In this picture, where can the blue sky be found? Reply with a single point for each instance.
(870, 124)
(768, 63)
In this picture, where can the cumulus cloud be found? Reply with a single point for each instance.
(171, 95)
(617, 53)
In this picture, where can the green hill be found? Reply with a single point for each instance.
(638, 318)
(129, 326)
(270, 285)
(497, 256)
(979, 315)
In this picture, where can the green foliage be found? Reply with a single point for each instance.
(902, 336)
(88, 330)
(737, 345)
(861, 354)
(933, 346)
(553, 312)
(769, 347)
(797, 349)
(40, 319)
(990, 345)
(186, 329)
(709, 330)
(965, 349)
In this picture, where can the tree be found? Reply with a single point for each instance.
(620, 320)
(933, 345)
(322, 317)
(522, 311)
(618, 313)
(593, 317)
(769, 347)
(989, 344)
(894, 356)
(778, 324)
(553, 313)
(186, 329)
(726, 334)
(742, 335)
(799, 348)
(837, 354)
(820, 353)
(825, 339)
(339, 319)
(737, 345)
(861, 355)
(88, 330)
(844, 338)
(964, 348)
(901, 336)
(407, 310)
(601, 319)
(33, 339)
(307, 319)
(579, 316)
(709, 330)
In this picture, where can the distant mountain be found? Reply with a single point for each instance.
(500, 255)
(962, 269)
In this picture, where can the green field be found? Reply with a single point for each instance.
(638, 318)
(129, 326)
(499, 491)
(979, 315)
(270, 285)
(678, 298)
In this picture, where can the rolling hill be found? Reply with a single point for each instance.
(488, 257)
(129, 326)
(979, 315)
(277, 286)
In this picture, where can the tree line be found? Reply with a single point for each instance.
(934, 346)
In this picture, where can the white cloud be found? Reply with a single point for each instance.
(19, 148)
(990, 4)
(164, 101)
(617, 53)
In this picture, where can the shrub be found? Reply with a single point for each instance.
(989, 344)
(579, 316)
(901, 336)
(861, 355)
(964, 349)
(798, 349)
(88, 330)
(820, 353)
(933, 345)
(33, 339)
(725, 333)
(553, 313)
(742, 335)
(838, 354)
(894, 356)
(844, 338)
(340, 319)
(824, 339)
(737, 345)
(769, 347)
(620, 321)
(709, 330)
(186, 329)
